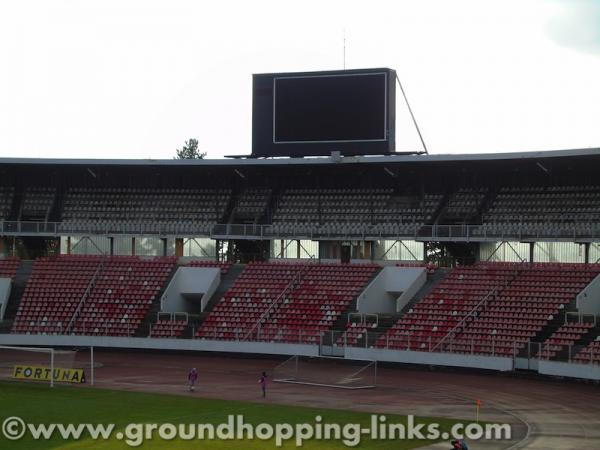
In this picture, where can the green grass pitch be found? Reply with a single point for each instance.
(36, 403)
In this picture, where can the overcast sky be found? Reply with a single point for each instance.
(135, 79)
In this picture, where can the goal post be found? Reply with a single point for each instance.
(47, 365)
(327, 372)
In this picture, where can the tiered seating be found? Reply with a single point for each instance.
(464, 204)
(122, 295)
(534, 297)
(430, 267)
(405, 214)
(129, 208)
(562, 338)
(316, 303)
(6, 199)
(119, 292)
(317, 210)
(590, 354)
(252, 204)
(352, 212)
(224, 266)
(444, 307)
(356, 330)
(8, 267)
(37, 202)
(53, 292)
(545, 211)
(253, 292)
(317, 294)
(168, 328)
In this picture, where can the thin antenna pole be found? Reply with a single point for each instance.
(411, 114)
(344, 34)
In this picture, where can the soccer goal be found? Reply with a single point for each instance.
(47, 365)
(328, 372)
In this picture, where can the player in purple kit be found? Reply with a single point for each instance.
(263, 383)
(192, 378)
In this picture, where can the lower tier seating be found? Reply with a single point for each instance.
(90, 294)
(8, 267)
(168, 328)
(489, 308)
(285, 302)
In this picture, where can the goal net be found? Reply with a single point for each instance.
(45, 365)
(328, 372)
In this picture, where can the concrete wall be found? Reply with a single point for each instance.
(266, 348)
(190, 284)
(391, 290)
(588, 300)
(412, 279)
(5, 285)
(571, 370)
(436, 359)
(563, 369)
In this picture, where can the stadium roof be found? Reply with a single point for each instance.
(547, 154)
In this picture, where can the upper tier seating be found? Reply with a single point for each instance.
(464, 204)
(352, 211)
(8, 267)
(37, 203)
(185, 210)
(117, 293)
(316, 295)
(545, 211)
(6, 199)
(251, 205)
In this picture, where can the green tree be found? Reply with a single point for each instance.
(190, 151)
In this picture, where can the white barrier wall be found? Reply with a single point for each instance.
(190, 284)
(267, 348)
(554, 368)
(435, 359)
(391, 290)
(5, 285)
(571, 370)
(410, 279)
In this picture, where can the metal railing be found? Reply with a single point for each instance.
(84, 297)
(334, 342)
(125, 326)
(486, 232)
(173, 319)
(490, 296)
(290, 286)
(572, 353)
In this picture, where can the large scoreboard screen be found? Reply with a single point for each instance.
(315, 113)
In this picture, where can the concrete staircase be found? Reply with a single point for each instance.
(227, 282)
(150, 317)
(433, 279)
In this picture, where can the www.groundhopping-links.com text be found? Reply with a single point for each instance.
(235, 428)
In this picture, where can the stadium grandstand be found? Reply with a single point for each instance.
(483, 261)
